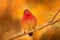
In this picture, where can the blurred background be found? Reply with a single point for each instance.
(43, 10)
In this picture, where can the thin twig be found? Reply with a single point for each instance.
(55, 21)
(44, 25)
(55, 16)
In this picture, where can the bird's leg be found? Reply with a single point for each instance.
(34, 27)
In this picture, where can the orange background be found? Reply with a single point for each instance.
(44, 11)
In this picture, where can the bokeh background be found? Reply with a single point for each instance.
(43, 10)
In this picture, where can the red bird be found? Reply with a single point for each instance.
(28, 21)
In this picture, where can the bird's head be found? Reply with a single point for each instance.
(27, 12)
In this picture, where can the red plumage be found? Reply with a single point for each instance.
(28, 21)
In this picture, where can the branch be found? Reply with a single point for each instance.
(41, 27)
(55, 16)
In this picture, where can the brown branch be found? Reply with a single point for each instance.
(55, 21)
(55, 16)
(41, 27)
(44, 25)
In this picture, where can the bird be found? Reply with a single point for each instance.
(28, 21)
